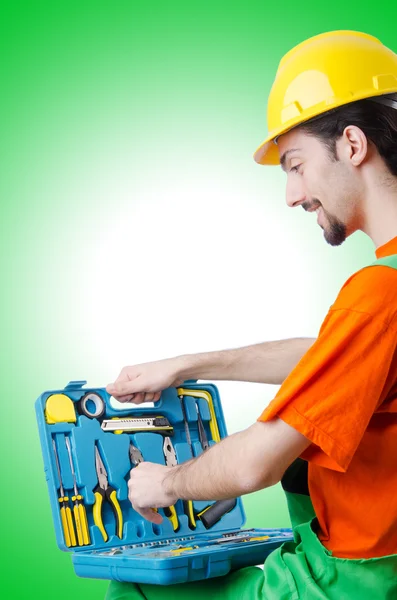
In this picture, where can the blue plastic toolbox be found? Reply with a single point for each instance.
(89, 443)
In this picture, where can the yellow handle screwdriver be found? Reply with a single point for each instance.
(80, 515)
(66, 514)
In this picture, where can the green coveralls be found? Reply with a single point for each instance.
(300, 570)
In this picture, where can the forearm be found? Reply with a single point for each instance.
(247, 461)
(233, 467)
(269, 362)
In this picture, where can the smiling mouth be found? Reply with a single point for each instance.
(312, 207)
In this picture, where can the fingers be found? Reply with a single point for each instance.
(141, 383)
(121, 389)
(127, 398)
(126, 383)
(149, 514)
(146, 490)
(137, 398)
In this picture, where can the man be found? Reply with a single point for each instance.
(330, 434)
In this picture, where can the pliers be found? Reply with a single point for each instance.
(170, 459)
(136, 456)
(103, 492)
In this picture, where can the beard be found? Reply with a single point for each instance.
(334, 231)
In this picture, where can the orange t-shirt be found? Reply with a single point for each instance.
(342, 396)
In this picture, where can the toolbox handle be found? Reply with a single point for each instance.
(75, 385)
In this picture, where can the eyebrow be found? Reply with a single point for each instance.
(285, 156)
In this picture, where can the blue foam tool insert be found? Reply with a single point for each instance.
(136, 556)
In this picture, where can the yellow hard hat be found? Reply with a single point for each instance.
(322, 73)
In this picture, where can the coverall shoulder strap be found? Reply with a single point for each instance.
(387, 261)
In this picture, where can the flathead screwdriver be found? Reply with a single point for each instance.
(66, 513)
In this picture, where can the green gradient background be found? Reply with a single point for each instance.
(127, 133)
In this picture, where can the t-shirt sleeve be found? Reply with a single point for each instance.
(336, 387)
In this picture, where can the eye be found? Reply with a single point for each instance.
(295, 169)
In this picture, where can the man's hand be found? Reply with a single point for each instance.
(147, 490)
(145, 382)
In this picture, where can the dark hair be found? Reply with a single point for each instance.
(375, 117)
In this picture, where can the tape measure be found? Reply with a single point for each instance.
(91, 405)
(59, 408)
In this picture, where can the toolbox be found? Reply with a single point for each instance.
(89, 447)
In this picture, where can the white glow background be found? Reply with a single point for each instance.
(140, 228)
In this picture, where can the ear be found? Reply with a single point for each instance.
(355, 145)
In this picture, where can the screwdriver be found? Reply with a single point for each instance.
(201, 429)
(66, 514)
(80, 515)
(185, 421)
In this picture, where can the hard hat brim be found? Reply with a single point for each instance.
(267, 153)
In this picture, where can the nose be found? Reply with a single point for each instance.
(295, 192)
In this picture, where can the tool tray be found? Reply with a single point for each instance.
(125, 547)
